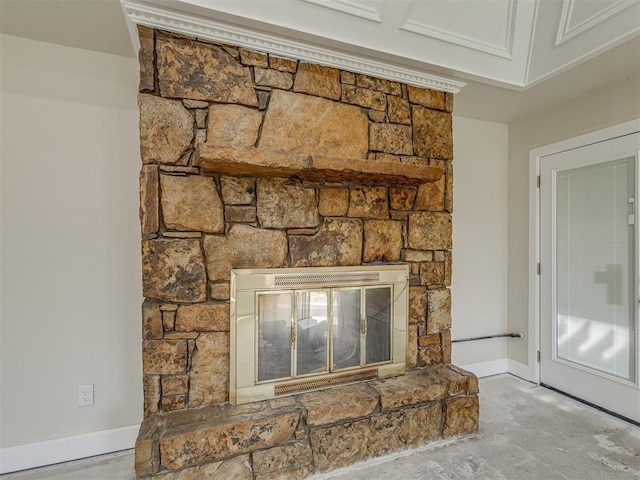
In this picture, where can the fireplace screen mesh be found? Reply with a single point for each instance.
(312, 330)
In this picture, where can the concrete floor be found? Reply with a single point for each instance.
(526, 432)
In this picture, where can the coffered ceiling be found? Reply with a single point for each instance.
(514, 56)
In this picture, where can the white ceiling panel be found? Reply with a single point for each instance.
(487, 27)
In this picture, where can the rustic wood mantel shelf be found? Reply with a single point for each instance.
(268, 163)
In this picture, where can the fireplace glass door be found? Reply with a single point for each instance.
(316, 331)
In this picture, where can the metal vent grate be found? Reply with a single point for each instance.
(298, 279)
(299, 386)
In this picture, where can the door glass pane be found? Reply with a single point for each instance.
(378, 310)
(312, 314)
(595, 267)
(274, 336)
(346, 328)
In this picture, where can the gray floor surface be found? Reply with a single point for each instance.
(526, 432)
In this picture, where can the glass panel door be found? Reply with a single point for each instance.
(378, 314)
(274, 335)
(312, 315)
(346, 328)
(595, 266)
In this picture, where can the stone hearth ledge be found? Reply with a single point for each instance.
(269, 163)
(295, 436)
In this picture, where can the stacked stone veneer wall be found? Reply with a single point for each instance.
(198, 224)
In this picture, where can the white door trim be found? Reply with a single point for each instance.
(535, 155)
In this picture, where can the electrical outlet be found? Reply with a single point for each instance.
(85, 395)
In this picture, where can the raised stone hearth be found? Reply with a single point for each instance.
(250, 161)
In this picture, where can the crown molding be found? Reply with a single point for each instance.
(138, 13)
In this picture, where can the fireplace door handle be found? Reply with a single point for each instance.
(293, 333)
(363, 325)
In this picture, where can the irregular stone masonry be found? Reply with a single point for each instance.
(200, 101)
(294, 437)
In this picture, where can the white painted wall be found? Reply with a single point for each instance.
(479, 284)
(609, 106)
(70, 242)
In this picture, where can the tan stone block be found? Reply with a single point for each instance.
(412, 346)
(429, 340)
(164, 357)
(151, 321)
(147, 455)
(296, 473)
(457, 382)
(417, 386)
(209, 377)
(333, 202)
(326, 128)
(432, 133)
(417, 304)
(182, 234)
(236, 468)
(432, 273)
(203, 317)
(219, 291)
(379, 84)
(430, 355)
(237, 190)
(382, 240)
(445, 340)
(342, 445)
(461, 416)
(244, 247)
(472, 380)
(448, 268)
(328, 406)
(253, 59)
(175, 385)
(438, 256)
(201, 136)
(285, 203)
(194, 103)
(426, 97)
(273, 78)
(151, 390)
(201, 118)
(401, 216)
(173, 270)
(166, 129)
(191, 203)
(318, 80)
(283, 64)
(398, 110)
(181, 335)
(448, 102)
(368, 202)
(200, 71)
(438, 310)
(282, 457)
(364, 97)
(430, 231)
(417, 256)
(233, 125)
(377, 116)
(145, 58)
(390, 138)
(170, 404)
(339, 242)
(401, 198)
(180, 169)
(431, 196)
(223, 438)
(168, 320)
(348, 78)
(240, 214)
(263, 99)
(448, 201)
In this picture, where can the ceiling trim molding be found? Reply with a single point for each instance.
(430, 31)
(191, 25)
(351, 8)
(567, 32)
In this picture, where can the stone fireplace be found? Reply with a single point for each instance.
(253, 162)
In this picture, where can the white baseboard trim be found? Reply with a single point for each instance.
(34, 455)
(486, 369)
(520, 370)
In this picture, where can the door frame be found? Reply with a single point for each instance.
(533, 320)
